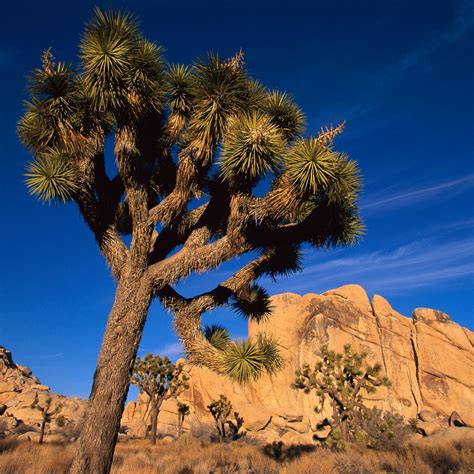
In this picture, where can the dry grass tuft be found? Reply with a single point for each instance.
(192, 456)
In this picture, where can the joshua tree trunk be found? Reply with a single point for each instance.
(112, 376)
(43, 426)
(154, 422)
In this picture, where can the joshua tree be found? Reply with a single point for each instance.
(220, 410)
(47, 413)
(343, 378)
(191, 145)
(183, 412)
(161, 380)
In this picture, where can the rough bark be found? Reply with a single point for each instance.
(112, 376)
(154, 423)
(43, 426)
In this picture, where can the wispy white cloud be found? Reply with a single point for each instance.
(406, 197)
(421, 263)
(386, 78)
(172, 350)
(50, 356)
(463, 23)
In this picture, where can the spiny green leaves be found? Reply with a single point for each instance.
(145, 77)
(252, 148)
(347, 180)
(285, 259)
(179, 88)
(217, 335)
(219, 89)
(245, 361)
(36, 128)
(122, 71)
(106, 49)
(311, 165)
(55, 86)
(285, 114)
(253, 303)
(51, 177)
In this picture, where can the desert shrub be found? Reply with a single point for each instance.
(381, 430)
(343, 379)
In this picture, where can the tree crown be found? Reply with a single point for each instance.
(191, 145)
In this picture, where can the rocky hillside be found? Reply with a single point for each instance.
(428, 358)
(18, 390)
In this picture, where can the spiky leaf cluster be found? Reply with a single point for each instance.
(253, 303)
(217, 335)
(252, 148)
(245, 360)
(183, 409)
(285, 114)
(51, 177)
(285, 259)
(123, 72)
(311, 165)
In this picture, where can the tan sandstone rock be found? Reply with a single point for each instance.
(428, 358)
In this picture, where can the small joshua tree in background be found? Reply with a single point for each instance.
(161, 380)
(183, 412)
(47, 413)
(343, 379)
(220, 410)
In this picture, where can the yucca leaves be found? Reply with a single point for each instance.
(54, 86)
(347, 182)
(123, 72)
(217, 335)
(145, 77)
(253, 303)
(179, 88)
(330, 224)
(245, 361)
(252, 148)
(269, 348)
(285, 259)
(285, 114)
(36, 128)
(311, 165)
(220, 92)
(51, 178)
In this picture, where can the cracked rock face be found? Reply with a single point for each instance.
(428, 358)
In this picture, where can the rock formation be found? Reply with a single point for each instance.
(18, 389)
(428, 358)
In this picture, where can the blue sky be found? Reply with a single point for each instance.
(401, 74)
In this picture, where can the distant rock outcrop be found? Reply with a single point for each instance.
(18, 389)
(428, 358)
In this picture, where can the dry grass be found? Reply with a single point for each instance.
(191, 456)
